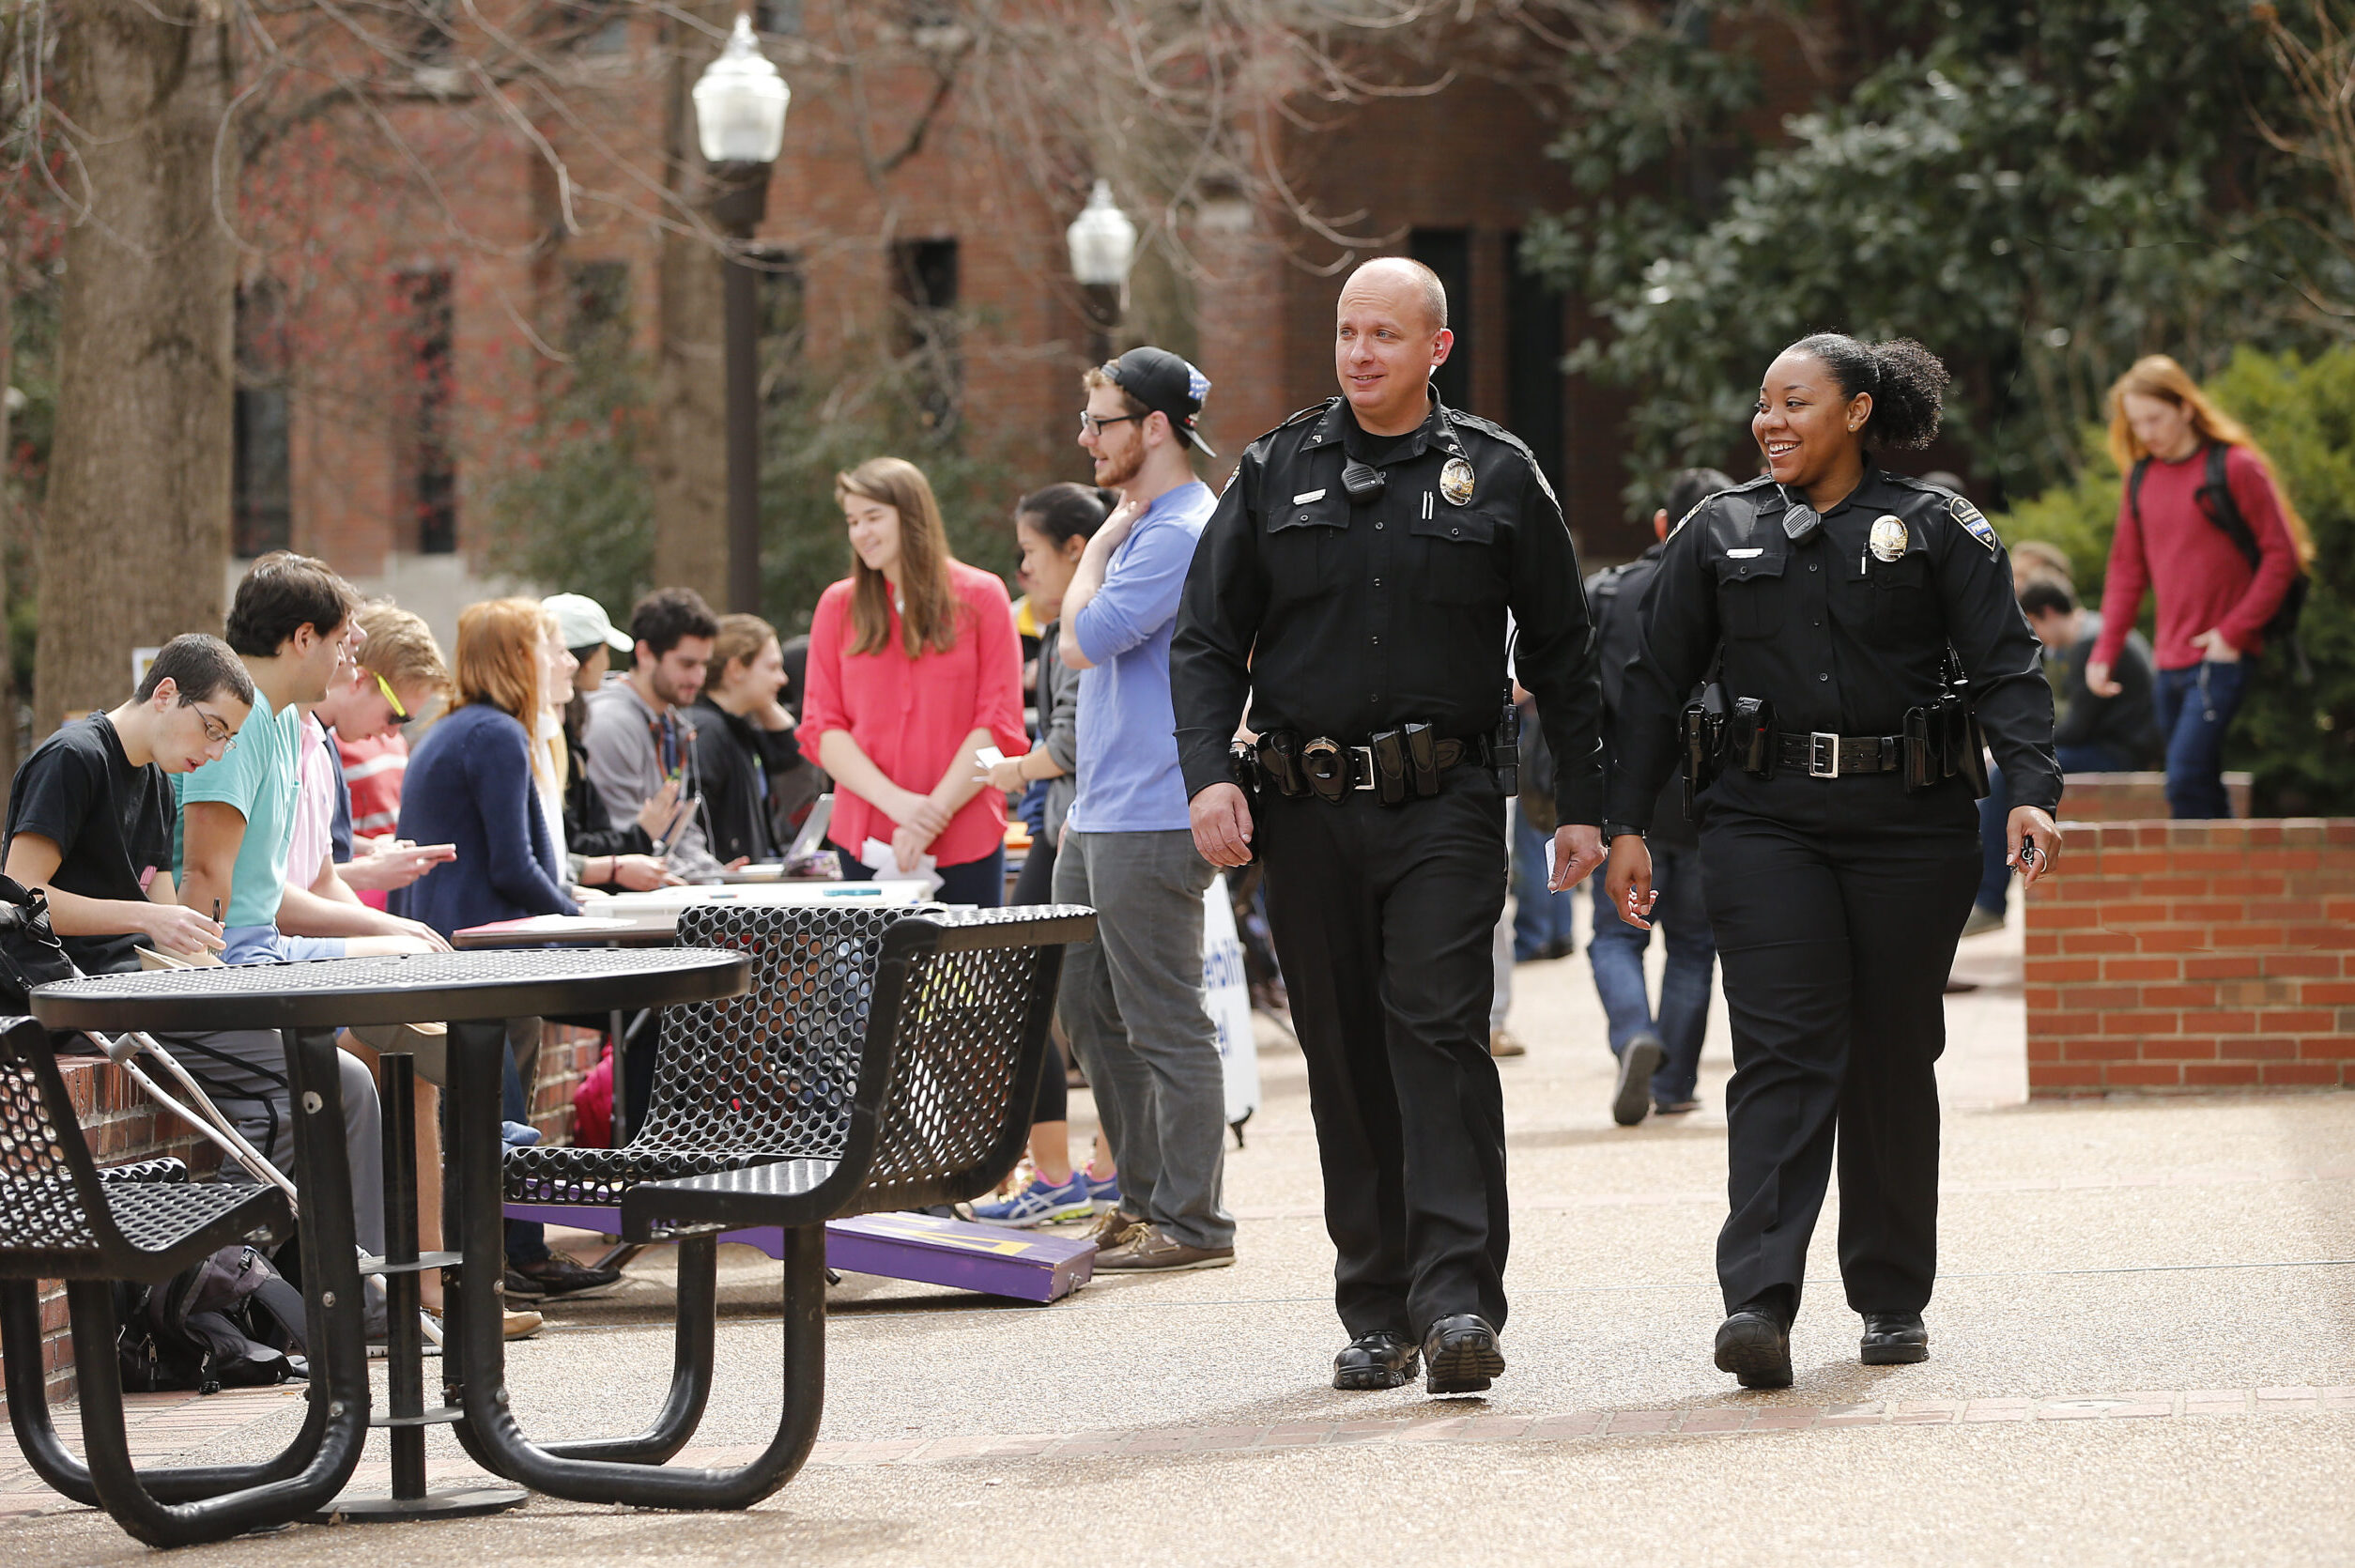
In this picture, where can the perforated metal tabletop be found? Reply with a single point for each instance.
(421, 987)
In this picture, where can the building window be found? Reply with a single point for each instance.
(1448, 252)
(925, 275)
(597, 318)
(261, 475)
(426, 455)
(777, 18)
(1533, 352)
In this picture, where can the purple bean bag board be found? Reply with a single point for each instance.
(1027, 1265)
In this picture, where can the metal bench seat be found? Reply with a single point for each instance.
(882, 1059)
(62, 1218)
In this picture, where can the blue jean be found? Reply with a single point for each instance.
(1540, 918)
(1616, 955)
(2196, 708)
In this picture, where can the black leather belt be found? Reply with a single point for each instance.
(1359, 762)
(1822, 755)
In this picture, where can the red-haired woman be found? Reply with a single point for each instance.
(914, 667)
(2173, 537)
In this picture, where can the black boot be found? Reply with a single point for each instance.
(1461, 1354)
(1378, 1360)
(1894, 1339)
(1754, 1344)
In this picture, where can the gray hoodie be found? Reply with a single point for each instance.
(623, 762)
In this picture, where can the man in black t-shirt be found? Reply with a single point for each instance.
(90, 823)
(90, 815)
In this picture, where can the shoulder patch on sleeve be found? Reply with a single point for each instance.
(1974, 523)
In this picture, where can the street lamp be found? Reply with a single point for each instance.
(740, 103)
(1104, 244)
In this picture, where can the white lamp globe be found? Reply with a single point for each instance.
(1102, 240)
(740, 102)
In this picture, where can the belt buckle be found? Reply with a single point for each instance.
(1820, 746)
(1365, 754)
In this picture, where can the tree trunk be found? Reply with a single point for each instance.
(7, 527)
(691, 464)
(136, 533)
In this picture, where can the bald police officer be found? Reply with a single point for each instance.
(1354, 585)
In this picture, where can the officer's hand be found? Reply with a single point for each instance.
(1222, 826)
(1628, 881)
(2098, 680)
(1577, 850)
(2035, 840)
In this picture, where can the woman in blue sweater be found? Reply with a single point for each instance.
(472, 782)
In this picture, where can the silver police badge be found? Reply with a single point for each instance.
(1887, 538)
(1455, 482)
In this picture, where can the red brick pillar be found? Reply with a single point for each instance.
(2168, 956)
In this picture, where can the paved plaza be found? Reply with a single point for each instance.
(2143, 1351)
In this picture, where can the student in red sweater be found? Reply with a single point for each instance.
(2212, 607)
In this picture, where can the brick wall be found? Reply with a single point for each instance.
(2171, 957)
(2134, 797)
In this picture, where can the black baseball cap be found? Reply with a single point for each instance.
(1165, 384)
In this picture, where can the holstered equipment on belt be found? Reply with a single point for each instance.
(1242, 761)
(1423, 758)
(1704, 742)
(1966, 743)
(1922, 769)
(1750, 735)
(1389, 749)
(1504, 754)
(1326, 769)
(1280, 763)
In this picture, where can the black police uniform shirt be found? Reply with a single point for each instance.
(111, 822)
(1343, 621)
(1837, 638)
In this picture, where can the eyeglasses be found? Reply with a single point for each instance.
(216, 729)
(1093, 424)
(400, 714)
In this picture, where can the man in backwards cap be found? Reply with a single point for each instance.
(1131, 999)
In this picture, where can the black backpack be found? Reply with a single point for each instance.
(227, 1322)
(2214, 498)
(29, 953)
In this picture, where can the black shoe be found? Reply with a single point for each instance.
(560, 1276)
(1894, 1339)
(1636, 1063)
(1754, 1345)
(1461, 1354)
(523, 1287)
(1560, 948)
(1376, 1361)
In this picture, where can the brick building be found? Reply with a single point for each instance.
(389, 384)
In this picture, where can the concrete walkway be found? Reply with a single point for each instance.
(2144, 1352)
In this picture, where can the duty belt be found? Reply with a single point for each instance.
(1394, 766)
(1822, 755)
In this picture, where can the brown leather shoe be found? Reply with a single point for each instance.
(1145, 1249)
(1112, 1226)
(1501, 1043)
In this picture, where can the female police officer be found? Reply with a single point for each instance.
(1843, 613)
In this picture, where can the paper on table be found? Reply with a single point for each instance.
(876, 856)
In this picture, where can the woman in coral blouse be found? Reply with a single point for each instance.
(914, 667)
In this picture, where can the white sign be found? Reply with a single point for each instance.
(1227, 994)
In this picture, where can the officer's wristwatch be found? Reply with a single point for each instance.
(1618, 830)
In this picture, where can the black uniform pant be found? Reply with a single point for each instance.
(1836, 919)
(1383, 920)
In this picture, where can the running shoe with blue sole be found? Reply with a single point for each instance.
(1039, 1204)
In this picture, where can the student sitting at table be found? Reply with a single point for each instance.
(744, 740)
(472, 781)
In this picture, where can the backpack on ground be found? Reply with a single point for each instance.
(227, 1322)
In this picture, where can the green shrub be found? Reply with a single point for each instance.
(2297, 740)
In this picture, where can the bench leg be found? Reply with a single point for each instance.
(650, 1485)
(693, 1368)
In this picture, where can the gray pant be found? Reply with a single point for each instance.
(244, 1072)
(1131, 1002)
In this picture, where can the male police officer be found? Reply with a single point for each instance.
(1354, 584)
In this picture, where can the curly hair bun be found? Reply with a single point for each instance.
(1905, 379)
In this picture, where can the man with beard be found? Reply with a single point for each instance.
(636, 738)
(1131, 999)
(1354, 585)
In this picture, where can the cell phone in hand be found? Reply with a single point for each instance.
(990, 755)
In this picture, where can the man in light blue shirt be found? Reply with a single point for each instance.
(1131, 1000)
